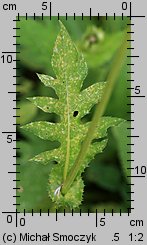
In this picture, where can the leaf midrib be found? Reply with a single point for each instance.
(68, 134)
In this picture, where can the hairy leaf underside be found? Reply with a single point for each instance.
(71, 105)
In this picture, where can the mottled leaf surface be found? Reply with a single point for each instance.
(71, 105)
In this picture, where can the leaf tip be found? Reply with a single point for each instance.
(29, 98)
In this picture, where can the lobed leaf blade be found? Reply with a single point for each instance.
(72, 104)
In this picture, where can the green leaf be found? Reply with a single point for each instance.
(25, 117)
(37, 39)
(100, 52)
(44, 130)
(71, 105)
(46, 104)
(91, 97)
(109, 208)
(48, 156)
(123, 148)
(106, 176)
(33, 184)
(67, 63)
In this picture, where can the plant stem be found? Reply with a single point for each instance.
(99, 111)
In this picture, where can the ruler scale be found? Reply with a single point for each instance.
(45, 227)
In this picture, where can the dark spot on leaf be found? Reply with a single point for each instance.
(75, 113)
(55, 162)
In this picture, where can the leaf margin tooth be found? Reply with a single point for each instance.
(50, 82)
(38, 128)
(87, 97)
(51, 105)
(47, 156)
